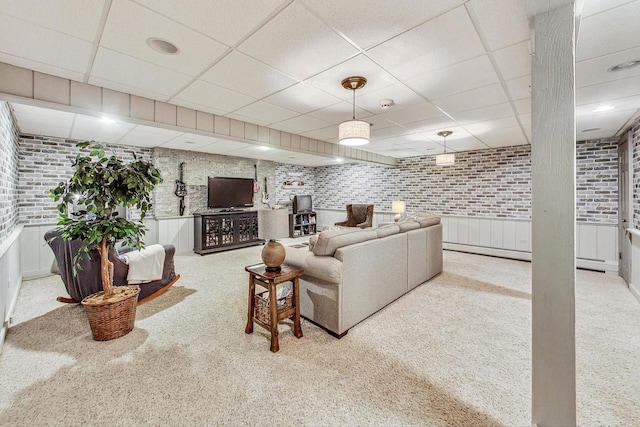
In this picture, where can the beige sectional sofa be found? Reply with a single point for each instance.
(352, 273)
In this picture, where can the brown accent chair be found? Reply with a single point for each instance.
(358, 216)
(88, 280)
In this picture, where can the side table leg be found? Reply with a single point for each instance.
(251, 304)
(273, 313)
(297, 329)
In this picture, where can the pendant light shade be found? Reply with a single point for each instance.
(445, 159)
(354, 132)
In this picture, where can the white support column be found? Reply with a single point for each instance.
(553, 219)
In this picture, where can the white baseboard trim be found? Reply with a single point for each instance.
(635, 291)
(526, 256)
(14, 301)
(483, 250)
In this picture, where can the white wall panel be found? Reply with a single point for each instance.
(607, 247)
(473, 226)
(453, 229)
(485, 232)
(496, 233)
(587, 240)
(509, 234)
(463, 231)
(523, 236)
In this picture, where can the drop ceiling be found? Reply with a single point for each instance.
(456, 65)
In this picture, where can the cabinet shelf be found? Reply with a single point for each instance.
(302, 224)
(214, 232)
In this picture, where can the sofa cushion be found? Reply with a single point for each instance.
(330, 240)
(408, 225)
(312, 241)
(321, 267)
(425, 219)
(387, 230)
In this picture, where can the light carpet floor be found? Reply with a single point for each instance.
(455, 351)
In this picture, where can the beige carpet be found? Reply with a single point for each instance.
(455, 351)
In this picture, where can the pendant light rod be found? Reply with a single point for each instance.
(354, 132)
(445, 134)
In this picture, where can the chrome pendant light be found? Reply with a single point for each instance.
(354, 132)
(445, 159)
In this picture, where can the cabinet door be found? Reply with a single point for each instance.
(212, 236)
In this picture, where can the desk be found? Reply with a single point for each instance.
(289, 309)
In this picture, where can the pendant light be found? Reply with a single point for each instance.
(446, 158)
(354, 132)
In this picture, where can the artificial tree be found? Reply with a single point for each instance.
(102, 183)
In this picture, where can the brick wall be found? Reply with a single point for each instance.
(635, 169)
(489, 183)
(198, 167)
(44, 162)
(8, 172)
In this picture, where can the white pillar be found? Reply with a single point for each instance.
(553, 219)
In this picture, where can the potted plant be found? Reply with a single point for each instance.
(101, 183)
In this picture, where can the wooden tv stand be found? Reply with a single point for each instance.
(222, 231)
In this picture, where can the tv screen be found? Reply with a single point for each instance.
(226, 193)
(302, 204)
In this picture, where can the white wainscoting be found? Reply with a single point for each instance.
(35, 255)
(176, 231)
(10, 279)
(634, 284)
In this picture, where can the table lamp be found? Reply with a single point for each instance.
(398, 207)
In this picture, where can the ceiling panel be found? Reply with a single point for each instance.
(519, 88)
(261, 111)
(514, 61)
(211, 98)
(455, 78)
(147, 136)
(503, 22)
(212, 17)
(443, 41)
(608, 32)
(378, 20)
(591, 7)
(297, 43)
(301, 124)
(595, 71)
(503, 137)
(245, 75)
(135, 75)
(302, 98)
(493, 112)
(41, 49)
(191, 142)
(482, 97)
(129, 26)
(606, 92)
(93, 128)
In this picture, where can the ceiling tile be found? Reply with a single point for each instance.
(502, 137)
(330, 80)
(211, 98)
(77, 18)
(135, 75)
(427, 125)
(523, 106)
(591, 7)
(594, 71)
(338, 113)
(297, 43)
(402, 97)
(243, 74)
(488, 125)
(378, 20)
(461, 77)
(43, 48)
(93, 128)
(502, 22)
(402, 115)
(264, 112)
(129, 26)
(223, 147)
(519, 88)
(609, 32)
(605, 92)
(303, 124)
(473, 99)
(217, 19)
(189, 141)
(147, 136)
(493, 112)
(302, 98)
(443, 41)
(513, 61)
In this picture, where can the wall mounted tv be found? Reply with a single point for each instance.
(302, 204)
(230, 193)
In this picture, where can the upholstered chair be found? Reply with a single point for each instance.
(358, 215)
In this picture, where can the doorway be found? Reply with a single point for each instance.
(624, 209)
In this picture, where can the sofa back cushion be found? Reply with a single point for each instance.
(387, 230)
(330, 240)
(408, 226)
(425, 219)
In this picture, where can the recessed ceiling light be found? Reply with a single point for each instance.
(264, 148)
(625, 65)
(339, 159)
(189, 142)
(590, 130)
(603, 108)
(109, 120)
(162, 46)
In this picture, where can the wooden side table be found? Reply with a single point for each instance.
(269, 280)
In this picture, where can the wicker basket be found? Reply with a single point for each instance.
(114, 317)
(262, 306)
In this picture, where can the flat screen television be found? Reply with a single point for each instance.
(230, 193)
(302, 204)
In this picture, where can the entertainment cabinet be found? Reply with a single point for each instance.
(221, 231)
(302, 224)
